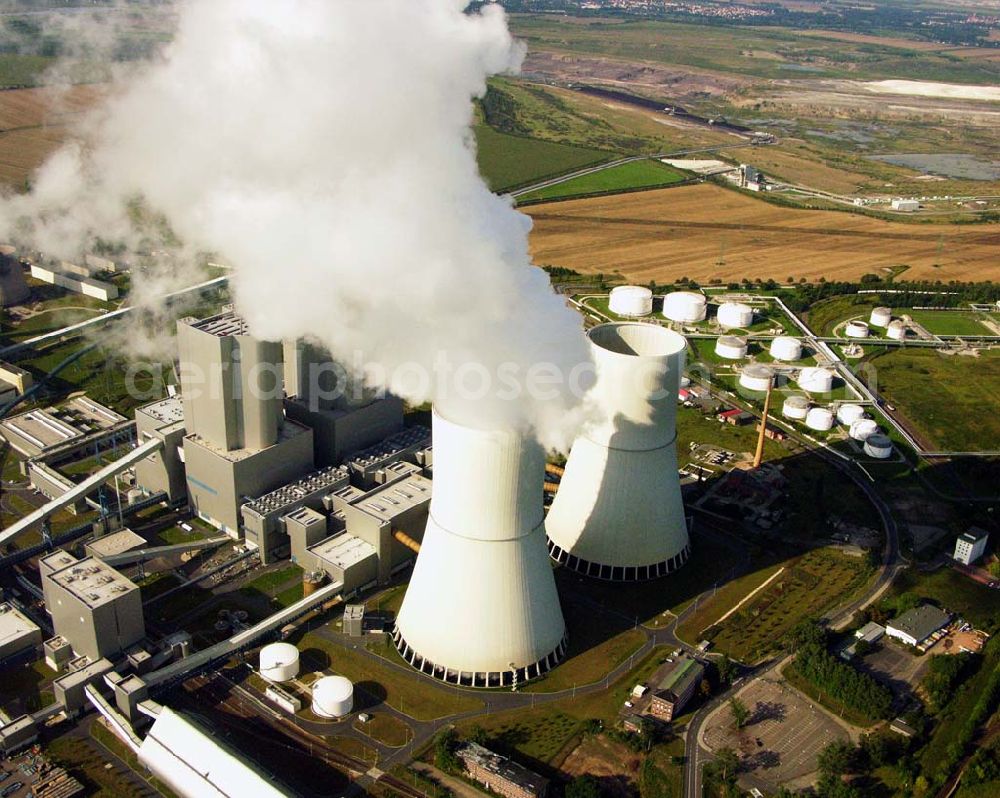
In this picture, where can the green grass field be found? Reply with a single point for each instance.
(824, 316)
(952, 401)
(947, 322)
(508, 162)
(630, 176)
(976, 603)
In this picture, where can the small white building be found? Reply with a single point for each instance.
(907, 205)
(970, 545)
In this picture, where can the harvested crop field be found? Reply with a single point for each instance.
(705, 231)
(33, 123)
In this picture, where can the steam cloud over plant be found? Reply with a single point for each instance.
(324, 149)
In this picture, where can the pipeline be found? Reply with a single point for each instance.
(407, 541)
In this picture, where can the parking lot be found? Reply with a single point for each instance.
(785, 734)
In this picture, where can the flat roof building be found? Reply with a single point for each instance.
(348, 559)
(971, 545)
(40, 431)
(500, 774)
(17, 632)
(162, 471)
(404, 445)
(116, 543)
(915, 626)
(93, 606)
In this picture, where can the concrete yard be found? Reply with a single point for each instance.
(896, 668)
(781, 741)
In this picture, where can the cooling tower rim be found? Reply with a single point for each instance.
(604, 336)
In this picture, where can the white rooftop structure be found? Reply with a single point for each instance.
(92, 582)
(196, 765)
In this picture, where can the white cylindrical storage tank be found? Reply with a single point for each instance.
(878, 446)
(880, 317)
(816, 380)
(332, 697)
(820, 418)
(731, 347)
(685, 306)
(796, 408)
(631, 300)
(279, 662)
(857, 329)
(786, 348)
(756, 377)
(618, 514)
(863, 429)
(896, 330)
(848, 414)
(481, 609)
(735, 314)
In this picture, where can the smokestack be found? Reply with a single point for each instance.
(618, 514)
(481, 609)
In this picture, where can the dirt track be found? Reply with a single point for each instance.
(705, 231)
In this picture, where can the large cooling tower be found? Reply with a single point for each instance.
(482, 604)
(618, 514)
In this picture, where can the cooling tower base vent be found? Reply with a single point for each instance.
(618, 573)
(484, 679)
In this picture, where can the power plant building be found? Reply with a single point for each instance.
(238, 443)
(163, 470)
(93, 606)
(618, 514)
(17, 632)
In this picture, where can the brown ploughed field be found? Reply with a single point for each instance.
(704, 231)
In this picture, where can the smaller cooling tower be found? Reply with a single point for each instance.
(631, 300)
(786, 348)
(863, 429)
(816, 380)
(13, 288)
(878, 446)
(880, 317)
(820, 419)
(731, 347)
(618, 514)
(279, 662)
(848, 414)
(857, 329)
(896, 330)
(735, 314)
(481, 609)
(332, 697)
(756, 377)
(685, 306)
(796, 408)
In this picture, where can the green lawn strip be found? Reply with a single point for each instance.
(411, 695)
(951, 400)
(507, 162)
(266, 583)
(587, 661)
(947, 322)
(631, 176)
(725, 598)
(385, 728)
(107, 738)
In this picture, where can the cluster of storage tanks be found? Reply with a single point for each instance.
(684, 307)
(862, 429)
(332, 696)
(880, 317)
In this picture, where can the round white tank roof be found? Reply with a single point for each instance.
(896, 330)
(815, 380)
(878, 446)
(796, 407)
(857, 329)
(848, 414)
(880, 317)
(863, 429)
(820, 418)
(685, 306)
(756, 377)
(332, 697)
(731, 347)
(735, 314)
(786, 348)
(631, 300)
(279, 662)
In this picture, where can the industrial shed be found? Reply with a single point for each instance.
(196, 765)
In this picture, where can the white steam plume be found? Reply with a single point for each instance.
(324, 149)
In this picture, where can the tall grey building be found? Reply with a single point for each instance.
(238, 442)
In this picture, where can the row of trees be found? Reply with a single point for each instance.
(944, 676)
(842, 682)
